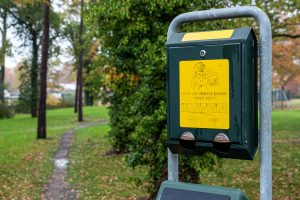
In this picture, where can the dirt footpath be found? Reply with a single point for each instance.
(58, 188)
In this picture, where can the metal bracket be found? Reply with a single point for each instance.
(265, 48)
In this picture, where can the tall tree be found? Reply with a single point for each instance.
(286, 56)
(284, 16)
(80, 66)
(41, 130)
(76, 92)
(2, 54)
(4, 10)
(72, 34)
(29, 27)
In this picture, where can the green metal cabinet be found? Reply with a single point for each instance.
(172, 190)
(212, 93)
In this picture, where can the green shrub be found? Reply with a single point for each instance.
(133, 78)
(23, 105)
(67, 100)
(5, 111)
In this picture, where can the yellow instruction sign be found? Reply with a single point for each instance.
(204, 93)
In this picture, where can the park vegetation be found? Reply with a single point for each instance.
(120, 58)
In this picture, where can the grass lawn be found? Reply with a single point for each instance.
(25, 163)
(96, 175)
(294, 104)
(286, 163)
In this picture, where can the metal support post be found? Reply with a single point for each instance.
(172, 166)
(265, 39)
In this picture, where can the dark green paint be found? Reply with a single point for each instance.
(203, 191)
(241, 51)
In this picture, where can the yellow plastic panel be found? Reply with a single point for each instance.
(204, 93)
(209, 35)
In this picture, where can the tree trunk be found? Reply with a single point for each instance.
(76, 94)
(282, 97)
(80, 66)
(34, 75)
(88, 97)
(89, 101)
(41, 131)
(2, 56)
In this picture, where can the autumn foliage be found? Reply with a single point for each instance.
(286, 62)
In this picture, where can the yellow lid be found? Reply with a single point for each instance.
(208, 35)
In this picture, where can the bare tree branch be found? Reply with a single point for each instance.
(287, 35)
(20, 20)
(293, 24)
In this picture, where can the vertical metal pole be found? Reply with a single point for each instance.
(172, 166)
(265, 39)
(172, 158)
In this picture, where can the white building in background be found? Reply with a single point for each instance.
(9, 97)
(6, 94)
(68, 86)
(63, 88)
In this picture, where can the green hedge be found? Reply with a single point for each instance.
(5, 111)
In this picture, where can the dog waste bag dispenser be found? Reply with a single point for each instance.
(212, 93)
